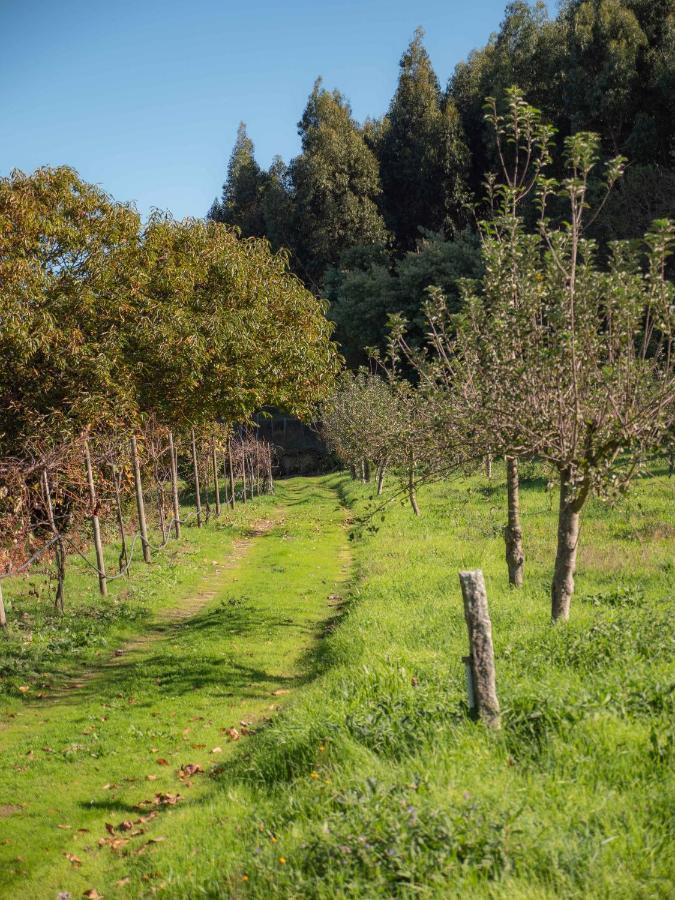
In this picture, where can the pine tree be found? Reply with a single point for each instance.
(240, 204)
(423, 157)
(336, 184)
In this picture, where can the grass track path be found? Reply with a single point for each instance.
(100, 751)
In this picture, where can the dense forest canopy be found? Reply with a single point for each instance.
(375, 213)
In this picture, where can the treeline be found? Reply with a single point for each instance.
(375, 213)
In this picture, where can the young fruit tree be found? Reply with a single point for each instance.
(566, 355)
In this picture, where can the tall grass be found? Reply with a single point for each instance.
(375, 782)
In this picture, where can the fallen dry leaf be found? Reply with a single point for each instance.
(280, 692)
(157, 840)
(127, 825)
(74, 860)
(63, 827)
(166, 799)
(189, 770)
(122, 882)
(161, 761)
(110, 828)
(232, 733)
(24, 688)
(92, 894)
(151, 777)
(198, 746)
(217, 750)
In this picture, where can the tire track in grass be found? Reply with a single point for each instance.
(107, 750)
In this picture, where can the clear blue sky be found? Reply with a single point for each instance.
(144, 97)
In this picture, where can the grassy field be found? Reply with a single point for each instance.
(372, 781)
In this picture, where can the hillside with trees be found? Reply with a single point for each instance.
(374, 213)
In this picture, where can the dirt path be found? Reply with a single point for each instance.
(188, 691)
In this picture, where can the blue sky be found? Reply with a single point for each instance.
(144, 97)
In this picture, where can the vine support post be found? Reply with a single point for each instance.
(480, 663)
(59, 551)
(123, 557)
(174, 487)
(95, 523)
(216, 484)
(3, 614)
(243, 469)
(195, 467)
(140, 505)
(230, 466)
(381, 469)
(412, 493)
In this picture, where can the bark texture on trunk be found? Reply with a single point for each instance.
(569, 521)
(513, 534)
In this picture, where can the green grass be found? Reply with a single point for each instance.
(373, 781)
(80, 756)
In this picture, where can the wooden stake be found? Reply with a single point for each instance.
(140, 505)
(216, 484)
(480, 646)
(198, 498)
(243, 469)
(59, 550)
(231, 468)
(3, 615)
(95, 523)
(117, 478)
(174, 486)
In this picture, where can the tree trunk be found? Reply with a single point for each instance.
(230, 466)
(366, 471)
(59, 550)
(140, 505)
(352, 472)
(569, 521)
(513, 535)
(380, 477)
(488, 466)
(412, 493)
(174, 487)
(216, 484)
(195, 468)
(95, 524)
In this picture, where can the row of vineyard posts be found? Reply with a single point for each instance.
(87, 491)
